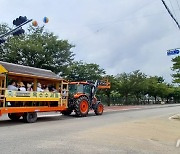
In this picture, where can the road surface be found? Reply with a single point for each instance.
(133, 131)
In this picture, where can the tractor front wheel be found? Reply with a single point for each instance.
(99, 109)
(81, 106)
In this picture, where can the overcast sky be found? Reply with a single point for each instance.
(119, 35)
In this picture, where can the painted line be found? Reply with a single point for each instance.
(178, 143)
(174, 117)
(171, 117)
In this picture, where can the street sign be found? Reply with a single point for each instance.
(173, 52)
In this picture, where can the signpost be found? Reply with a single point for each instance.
(173, 51)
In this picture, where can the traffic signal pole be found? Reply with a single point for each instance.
(15, 29)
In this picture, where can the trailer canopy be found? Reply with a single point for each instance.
(26, 71)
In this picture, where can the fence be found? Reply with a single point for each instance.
(133, 101)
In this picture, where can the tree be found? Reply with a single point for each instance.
(79, 71)
(152, 86)
(131, 84)
(176, 68)
(4, 28)
(165, 91)
(124, 85)
(109, 92)
(137, 80)
(38, 48)
(176, 94)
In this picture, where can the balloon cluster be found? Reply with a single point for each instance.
(45, 20)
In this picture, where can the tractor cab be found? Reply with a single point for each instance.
(77, 89)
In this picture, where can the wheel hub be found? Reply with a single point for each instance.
(84, 106)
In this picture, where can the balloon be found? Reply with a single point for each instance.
(34, 23)
(45, 20)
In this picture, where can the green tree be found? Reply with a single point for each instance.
(109, 92)
(137, 80)
(79, 71)
(176, 94)
(38, 48)
(153, 86)
(124, 85)
(176, 68)
(4, 28)
(131, 84)
(165, 91)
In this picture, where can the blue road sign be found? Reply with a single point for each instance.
(173, 52)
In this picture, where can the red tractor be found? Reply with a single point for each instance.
(81, 97)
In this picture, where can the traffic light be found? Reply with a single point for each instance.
(18, 32)
(20, 20)
(2, 40)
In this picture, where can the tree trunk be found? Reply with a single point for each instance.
(108, 98)
(126, 99)
(137, 99)
(155, 99)
(167, 100)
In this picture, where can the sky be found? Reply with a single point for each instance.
(119, 35)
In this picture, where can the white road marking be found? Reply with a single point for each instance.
(171, 117)
(176, 116)
(178, 143)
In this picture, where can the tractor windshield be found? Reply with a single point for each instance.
(75, 88)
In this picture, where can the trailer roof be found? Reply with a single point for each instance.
(15, 69)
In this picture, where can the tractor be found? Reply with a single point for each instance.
(81, 97)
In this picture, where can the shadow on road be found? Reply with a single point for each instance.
(9, 123)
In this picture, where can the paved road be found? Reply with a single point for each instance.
(132, 131)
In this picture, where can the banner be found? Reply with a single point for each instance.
(31, 94)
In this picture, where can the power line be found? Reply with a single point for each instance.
(170, 14)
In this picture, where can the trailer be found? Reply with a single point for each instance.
(26, 104)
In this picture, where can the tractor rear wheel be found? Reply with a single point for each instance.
(30, 117)
(14, 116)
(81, 106)
(99, 109)
(67, 112)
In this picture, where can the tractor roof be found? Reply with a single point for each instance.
(79, 82)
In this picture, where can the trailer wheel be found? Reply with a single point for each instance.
(30, 117)
(67, 112)
(99, 109)
(81, 107)
(14, 116)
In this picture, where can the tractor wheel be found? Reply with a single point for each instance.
(14, 116)
(67, 112)
(81, 107)
(99, 109)
(30, 117)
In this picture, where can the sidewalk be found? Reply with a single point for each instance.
(136, 107)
